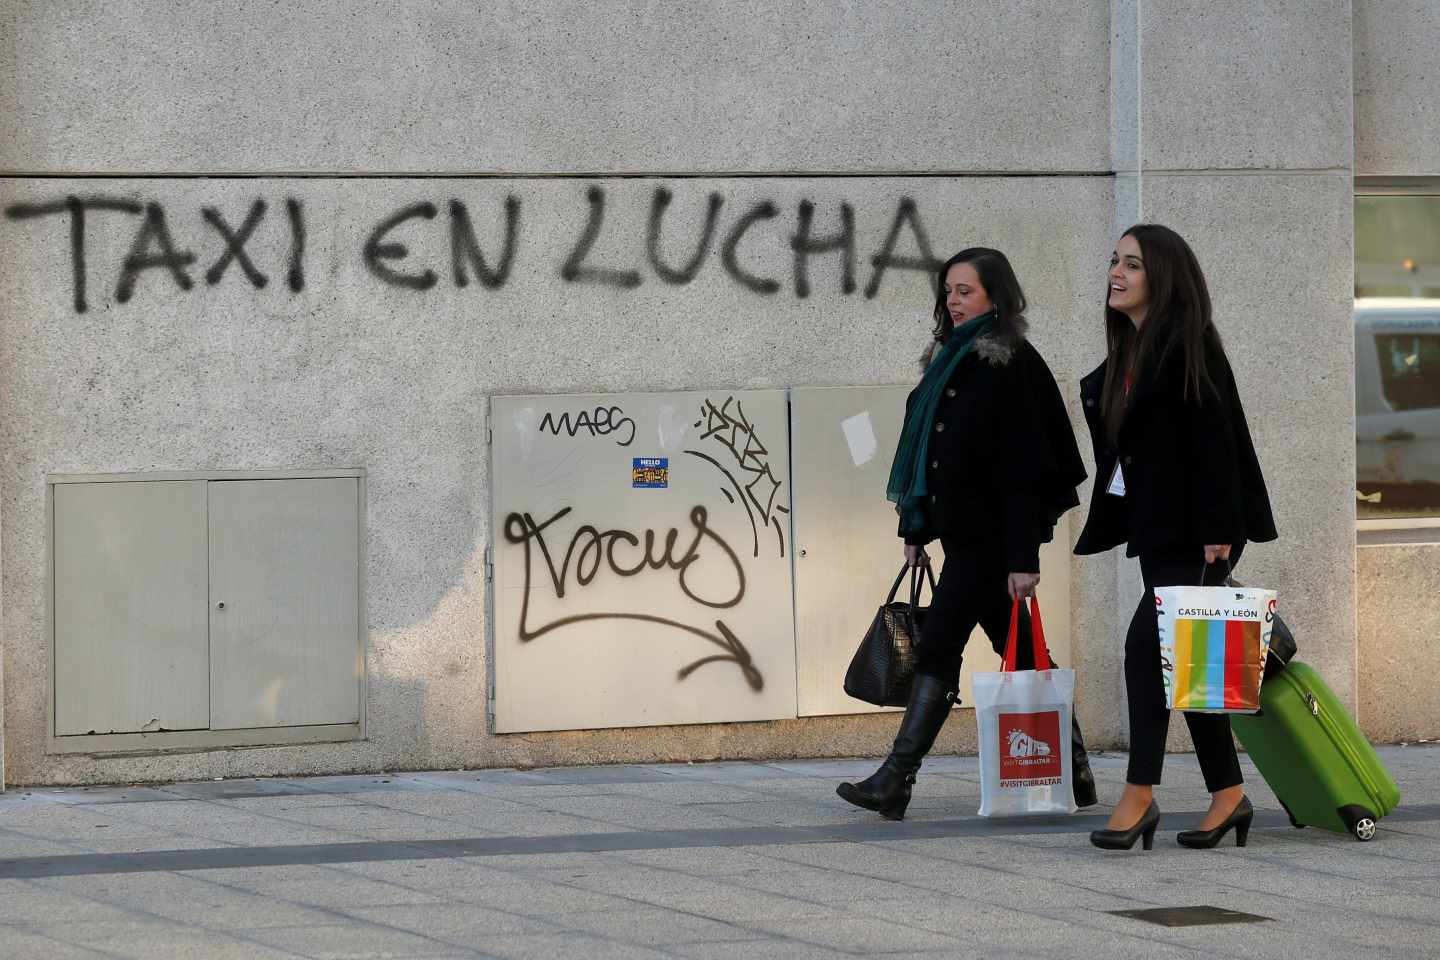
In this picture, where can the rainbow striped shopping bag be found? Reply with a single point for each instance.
(1213, 642)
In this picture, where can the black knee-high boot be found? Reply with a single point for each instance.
(887, 790)
(1080, 767)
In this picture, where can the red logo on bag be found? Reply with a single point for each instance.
(1030, 749)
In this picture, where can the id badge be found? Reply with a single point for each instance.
(1117, 483)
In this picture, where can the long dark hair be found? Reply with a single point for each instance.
(996, 277)
(1178, 318)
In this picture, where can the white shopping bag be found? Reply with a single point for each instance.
(1213, 644)
(1024, 721)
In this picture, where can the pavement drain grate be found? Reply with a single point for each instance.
(1189, 916)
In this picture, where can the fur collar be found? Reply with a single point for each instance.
(997, 347)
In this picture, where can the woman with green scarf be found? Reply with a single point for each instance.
(986, 464)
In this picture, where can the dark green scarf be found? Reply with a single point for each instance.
(906, 488)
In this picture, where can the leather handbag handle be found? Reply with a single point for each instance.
(1037, 637)
(917, 580)
(895, 587)
(914, 583)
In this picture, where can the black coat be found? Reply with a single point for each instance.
(1003, 465)
(1189, 466)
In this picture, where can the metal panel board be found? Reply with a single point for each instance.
(642, 561)
(285, 645)
(129, 607)
(846, 550)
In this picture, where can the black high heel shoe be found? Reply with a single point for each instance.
(1144, 829)
(1239, 818)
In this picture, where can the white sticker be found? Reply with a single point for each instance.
(672, 426)
(860, 435)
(1117, 483)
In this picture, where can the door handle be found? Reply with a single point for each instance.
(1398, 436)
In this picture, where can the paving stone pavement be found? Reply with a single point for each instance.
(689, 861)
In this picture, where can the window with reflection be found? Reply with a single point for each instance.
(1397, 355)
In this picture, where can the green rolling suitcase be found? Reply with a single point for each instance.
(1314, 757)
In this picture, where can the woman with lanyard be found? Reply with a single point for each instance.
(1177, 479)
(986, 463)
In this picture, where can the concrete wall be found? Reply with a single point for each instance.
(1397, 651)
(366, 86)
(353, 371)
(1397, 112)
(1238, 139)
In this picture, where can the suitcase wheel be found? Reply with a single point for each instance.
(1360, 821)
(1293, 822)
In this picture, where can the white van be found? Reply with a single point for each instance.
(1397, 406)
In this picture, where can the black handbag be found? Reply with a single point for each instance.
(1282, 649)
(884, 667)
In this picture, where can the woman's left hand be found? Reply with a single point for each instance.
(1216, 551)
(1023, 585)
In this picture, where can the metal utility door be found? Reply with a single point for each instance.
(129, 607)
(642, 566)
(284, 603)
(846, 550)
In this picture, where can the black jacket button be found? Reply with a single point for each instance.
(933, 497)
(934, 464)
(950, 392)
(1129, 460)
(939, 428)
(1090, 403)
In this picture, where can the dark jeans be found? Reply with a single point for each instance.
(973, 589)
(1149, 717)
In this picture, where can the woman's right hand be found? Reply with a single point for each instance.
(916, 556)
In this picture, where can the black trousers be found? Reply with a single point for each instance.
(972, 589)
(1149, 717)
